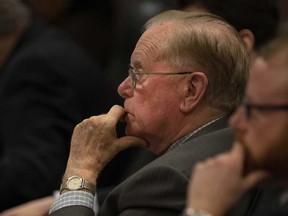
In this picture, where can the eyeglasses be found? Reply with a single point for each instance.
(134, 79)
(263, 107)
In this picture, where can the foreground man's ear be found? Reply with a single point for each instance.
(196, 87)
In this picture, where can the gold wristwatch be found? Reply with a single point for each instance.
(77, 183)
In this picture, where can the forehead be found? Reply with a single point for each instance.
(150, 44)
(268, 80)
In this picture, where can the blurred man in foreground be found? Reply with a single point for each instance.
(261, 128)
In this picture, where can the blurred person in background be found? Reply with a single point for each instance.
(48, 84)
(260, 151)
(256, 21)
(88, 22)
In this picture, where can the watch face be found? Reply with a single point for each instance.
(74, 183)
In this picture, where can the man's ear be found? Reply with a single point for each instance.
(195, 89)
(248, 39)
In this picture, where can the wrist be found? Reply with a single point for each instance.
(76, 183)
(85, 174)
(206, 205)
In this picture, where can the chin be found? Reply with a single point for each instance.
(128, 129)
(271, 163)
(277, 168)
(132, 131)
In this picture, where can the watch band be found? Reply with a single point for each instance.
(77, 183)
(89, 186)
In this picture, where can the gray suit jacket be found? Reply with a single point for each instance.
(160, 187)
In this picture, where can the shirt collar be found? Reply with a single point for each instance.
(192, 133)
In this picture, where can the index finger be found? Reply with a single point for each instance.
(117, 112)
(238, 154)
(237, 150)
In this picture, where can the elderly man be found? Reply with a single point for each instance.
(260, 125)
(188, 72)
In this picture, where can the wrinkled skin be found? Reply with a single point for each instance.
(94, 143)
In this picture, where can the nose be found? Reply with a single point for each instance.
(238, 119)
(125, 89)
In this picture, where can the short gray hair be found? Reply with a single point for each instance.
(12, 14)
(205, 42)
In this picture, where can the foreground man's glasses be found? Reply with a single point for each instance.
(134, 79)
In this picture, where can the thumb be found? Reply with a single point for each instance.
(130, 141)
(254, 177)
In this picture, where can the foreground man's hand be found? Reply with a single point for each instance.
(218, 183)
(94, 143)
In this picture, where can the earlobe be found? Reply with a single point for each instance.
(195, 90)
(248, 39)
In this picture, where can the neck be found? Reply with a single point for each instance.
(202, 116)
(195, 121)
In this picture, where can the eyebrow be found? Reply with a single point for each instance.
(135, 64)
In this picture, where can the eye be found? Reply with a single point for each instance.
(137, 75)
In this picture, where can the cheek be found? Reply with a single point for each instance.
(256, 144)
(255, 139)
(154, 115)
(151, 113)
(279, 142)
(269, 146)
(275, 158)
(144, 116)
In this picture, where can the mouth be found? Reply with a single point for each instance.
(128, 112)
(128, 117)
(123, 119)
